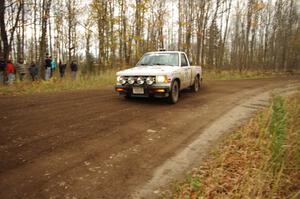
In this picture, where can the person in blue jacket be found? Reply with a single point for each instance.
(53, 66)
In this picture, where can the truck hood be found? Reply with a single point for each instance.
(148, 71)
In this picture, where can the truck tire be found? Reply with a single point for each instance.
(174, 93)
(196, 85)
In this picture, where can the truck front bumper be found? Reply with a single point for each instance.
(153, 90)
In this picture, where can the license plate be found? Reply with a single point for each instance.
(138, 90)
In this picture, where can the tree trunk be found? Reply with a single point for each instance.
(45, 16)
(4, 37)
(179, 25)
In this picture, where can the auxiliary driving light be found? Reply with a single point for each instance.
(121, 80)
(150, 80)
(140, 80)
(131, 80)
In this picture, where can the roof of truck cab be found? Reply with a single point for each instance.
(165, 52)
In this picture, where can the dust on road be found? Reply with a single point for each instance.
(93, 144)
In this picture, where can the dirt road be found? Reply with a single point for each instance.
(94, 144)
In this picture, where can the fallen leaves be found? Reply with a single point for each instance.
(239, 167)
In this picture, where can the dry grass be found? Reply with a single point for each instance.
(57, 84)
(235, 74)
(259, 160)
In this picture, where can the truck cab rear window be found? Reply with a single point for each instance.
(183, 60)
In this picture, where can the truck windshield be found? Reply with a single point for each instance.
(161, 59)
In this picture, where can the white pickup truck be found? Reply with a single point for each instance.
(159, 74)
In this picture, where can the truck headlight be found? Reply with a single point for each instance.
(130, 80)
(140, 80)
(150, 80)
(162, 79)
(121, 80)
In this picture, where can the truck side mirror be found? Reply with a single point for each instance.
(191, 63)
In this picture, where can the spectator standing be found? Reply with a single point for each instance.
(48, 61)
(62, 69)
(74, 69)
(20, 66)
(2, 70)
(53, 66)
(33, 71)
(10, 71)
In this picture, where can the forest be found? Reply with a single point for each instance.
(106, 34)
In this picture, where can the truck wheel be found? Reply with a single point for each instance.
(196, 85)
(174, 93)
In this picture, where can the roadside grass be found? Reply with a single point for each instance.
(107, 77)
(56, 84)
(259, 160)
(235, 74)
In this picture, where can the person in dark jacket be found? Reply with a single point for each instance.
(10, 71)
(74, 69)
(2, 70)
(48, 67)
(33, 71)
(62, 69)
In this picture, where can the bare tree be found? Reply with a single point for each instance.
(7, 41)
(46, 5)
(244, 35)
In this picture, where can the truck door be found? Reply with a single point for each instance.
(186, 72)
